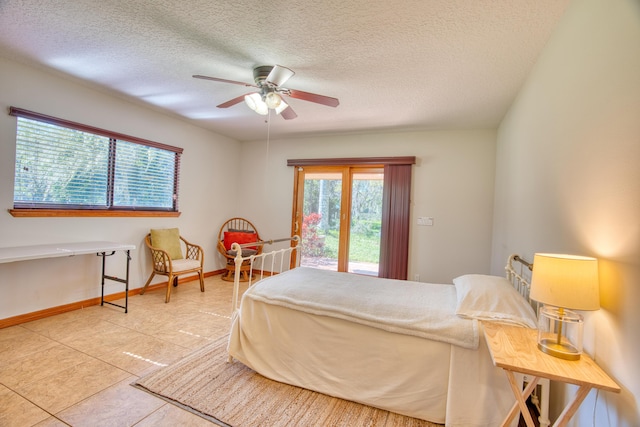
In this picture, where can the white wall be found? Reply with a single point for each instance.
(568, 180)
(205, 203)
(452, 182)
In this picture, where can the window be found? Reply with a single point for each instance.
(63, 166)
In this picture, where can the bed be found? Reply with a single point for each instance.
(408, 347)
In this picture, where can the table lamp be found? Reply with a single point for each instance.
(563, 282)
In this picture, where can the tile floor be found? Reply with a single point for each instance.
(76, 368)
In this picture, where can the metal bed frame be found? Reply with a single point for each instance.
(274, 261)
(518, 272)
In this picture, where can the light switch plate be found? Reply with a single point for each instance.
(425, 220)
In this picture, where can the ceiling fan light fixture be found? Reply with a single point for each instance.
(255, 102)
(251, 100)
(281, 107)
(273, 100)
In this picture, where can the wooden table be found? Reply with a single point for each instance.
(57, 250)
(514, 349)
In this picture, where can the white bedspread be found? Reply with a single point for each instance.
(420, 309)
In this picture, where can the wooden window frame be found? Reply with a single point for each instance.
(109, 211)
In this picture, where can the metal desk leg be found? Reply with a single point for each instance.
(115, 279)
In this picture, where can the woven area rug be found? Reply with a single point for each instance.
(230, 394)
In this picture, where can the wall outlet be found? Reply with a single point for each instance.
(416, 277)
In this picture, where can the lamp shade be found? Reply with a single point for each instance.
(272, 100)
(280, 108)
(255, 102)
(566, 281)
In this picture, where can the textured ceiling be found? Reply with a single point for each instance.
(406, 65)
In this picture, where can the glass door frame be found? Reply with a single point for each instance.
(358, 170)
(346, 172)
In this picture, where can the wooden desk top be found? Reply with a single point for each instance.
(515, 349)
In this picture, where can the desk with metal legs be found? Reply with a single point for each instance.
(100, 248)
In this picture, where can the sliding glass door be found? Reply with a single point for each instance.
(365, 221)
(338, 213)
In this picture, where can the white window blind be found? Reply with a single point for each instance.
(143, 176)
(65, 165)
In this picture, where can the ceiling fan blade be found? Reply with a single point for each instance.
(279, 75)
(216, 79)
(312, 97)
(233, 101)
(288, 113)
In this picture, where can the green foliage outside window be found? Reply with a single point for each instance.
(61, 167)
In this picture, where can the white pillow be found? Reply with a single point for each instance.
(494, 298)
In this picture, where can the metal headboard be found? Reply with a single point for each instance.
(265, 263)
(518, 272)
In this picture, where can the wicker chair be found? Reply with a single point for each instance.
(163, 264)
(238, 230)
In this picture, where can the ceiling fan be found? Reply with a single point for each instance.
(269, 80)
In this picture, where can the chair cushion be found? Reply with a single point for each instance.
(167, 239)
(245, 252)
(185, 264)
(239, 237)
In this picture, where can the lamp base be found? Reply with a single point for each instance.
(560, 333)
(563, 350)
